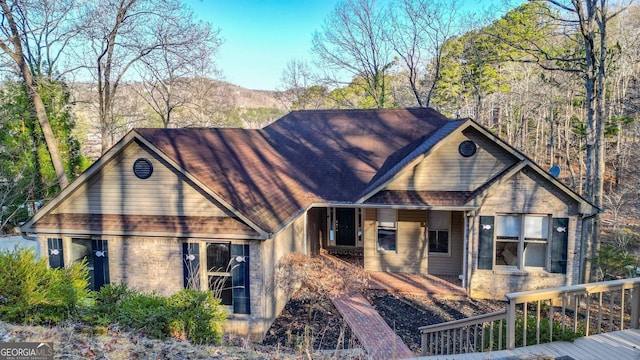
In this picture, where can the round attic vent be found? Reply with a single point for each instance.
(467, 148)
(142, 168)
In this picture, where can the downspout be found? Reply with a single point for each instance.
(27, 237)
(465, 255)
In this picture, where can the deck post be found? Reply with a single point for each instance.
(511, 324)
(423, 340)
(635, 306)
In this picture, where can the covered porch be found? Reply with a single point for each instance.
(426, 241)
(444, 286)
(413, 251)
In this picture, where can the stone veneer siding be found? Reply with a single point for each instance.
(525, 193)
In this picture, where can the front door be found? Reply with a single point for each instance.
(345, 227)
(94, 252)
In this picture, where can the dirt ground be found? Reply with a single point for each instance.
(72, 341)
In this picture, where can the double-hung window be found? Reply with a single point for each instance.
(439, 232)
(219, 271)
(521, 241)
(224, 270)
(387, 230)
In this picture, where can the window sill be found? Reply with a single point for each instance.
(232, 316)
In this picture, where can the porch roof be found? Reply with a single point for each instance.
(420, 198)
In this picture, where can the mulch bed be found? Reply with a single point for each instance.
(296, 328)
(311, 325)
(406, 313)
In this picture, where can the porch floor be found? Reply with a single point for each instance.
(448, 286)
(417, 284)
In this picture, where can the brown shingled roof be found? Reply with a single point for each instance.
(307, 156)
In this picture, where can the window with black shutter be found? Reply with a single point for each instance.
(485, 246)
(559, 240)
(55, 253)
(226, 268)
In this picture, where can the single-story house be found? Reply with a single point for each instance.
(408, 189)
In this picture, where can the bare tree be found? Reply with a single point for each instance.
(352, 41)
(299, 89)
(210, 103)
(417, 33)
(16, 28)
(167, 74)
(119, 34)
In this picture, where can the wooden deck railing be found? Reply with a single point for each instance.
(539, 316)
(463, 336)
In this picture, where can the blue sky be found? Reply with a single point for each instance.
(262, 36)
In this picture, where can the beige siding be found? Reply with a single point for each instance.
(446, 170)
(411, 244)
(116, 190)
(289, 240)
(316, 229)
(525, 193)
(450, 264)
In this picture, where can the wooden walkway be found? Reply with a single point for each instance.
(618, 345)
(377, 338)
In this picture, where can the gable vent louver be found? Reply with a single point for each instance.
(142, 168)
(467, 148)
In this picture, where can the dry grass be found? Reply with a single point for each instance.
(321, 275)
(72, 341)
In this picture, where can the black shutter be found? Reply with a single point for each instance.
(100, 263)
(240, 278)
(559, 240)
(485, 243)
(191, 265)
(54, 250)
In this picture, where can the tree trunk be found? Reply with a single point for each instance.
(47, 131)
(17, 55)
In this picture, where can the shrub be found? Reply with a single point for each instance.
(132, 310)
(199, 316)
(31, 292)
(545, 336)
(189, 314)
(614, 262)
(111, 296)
